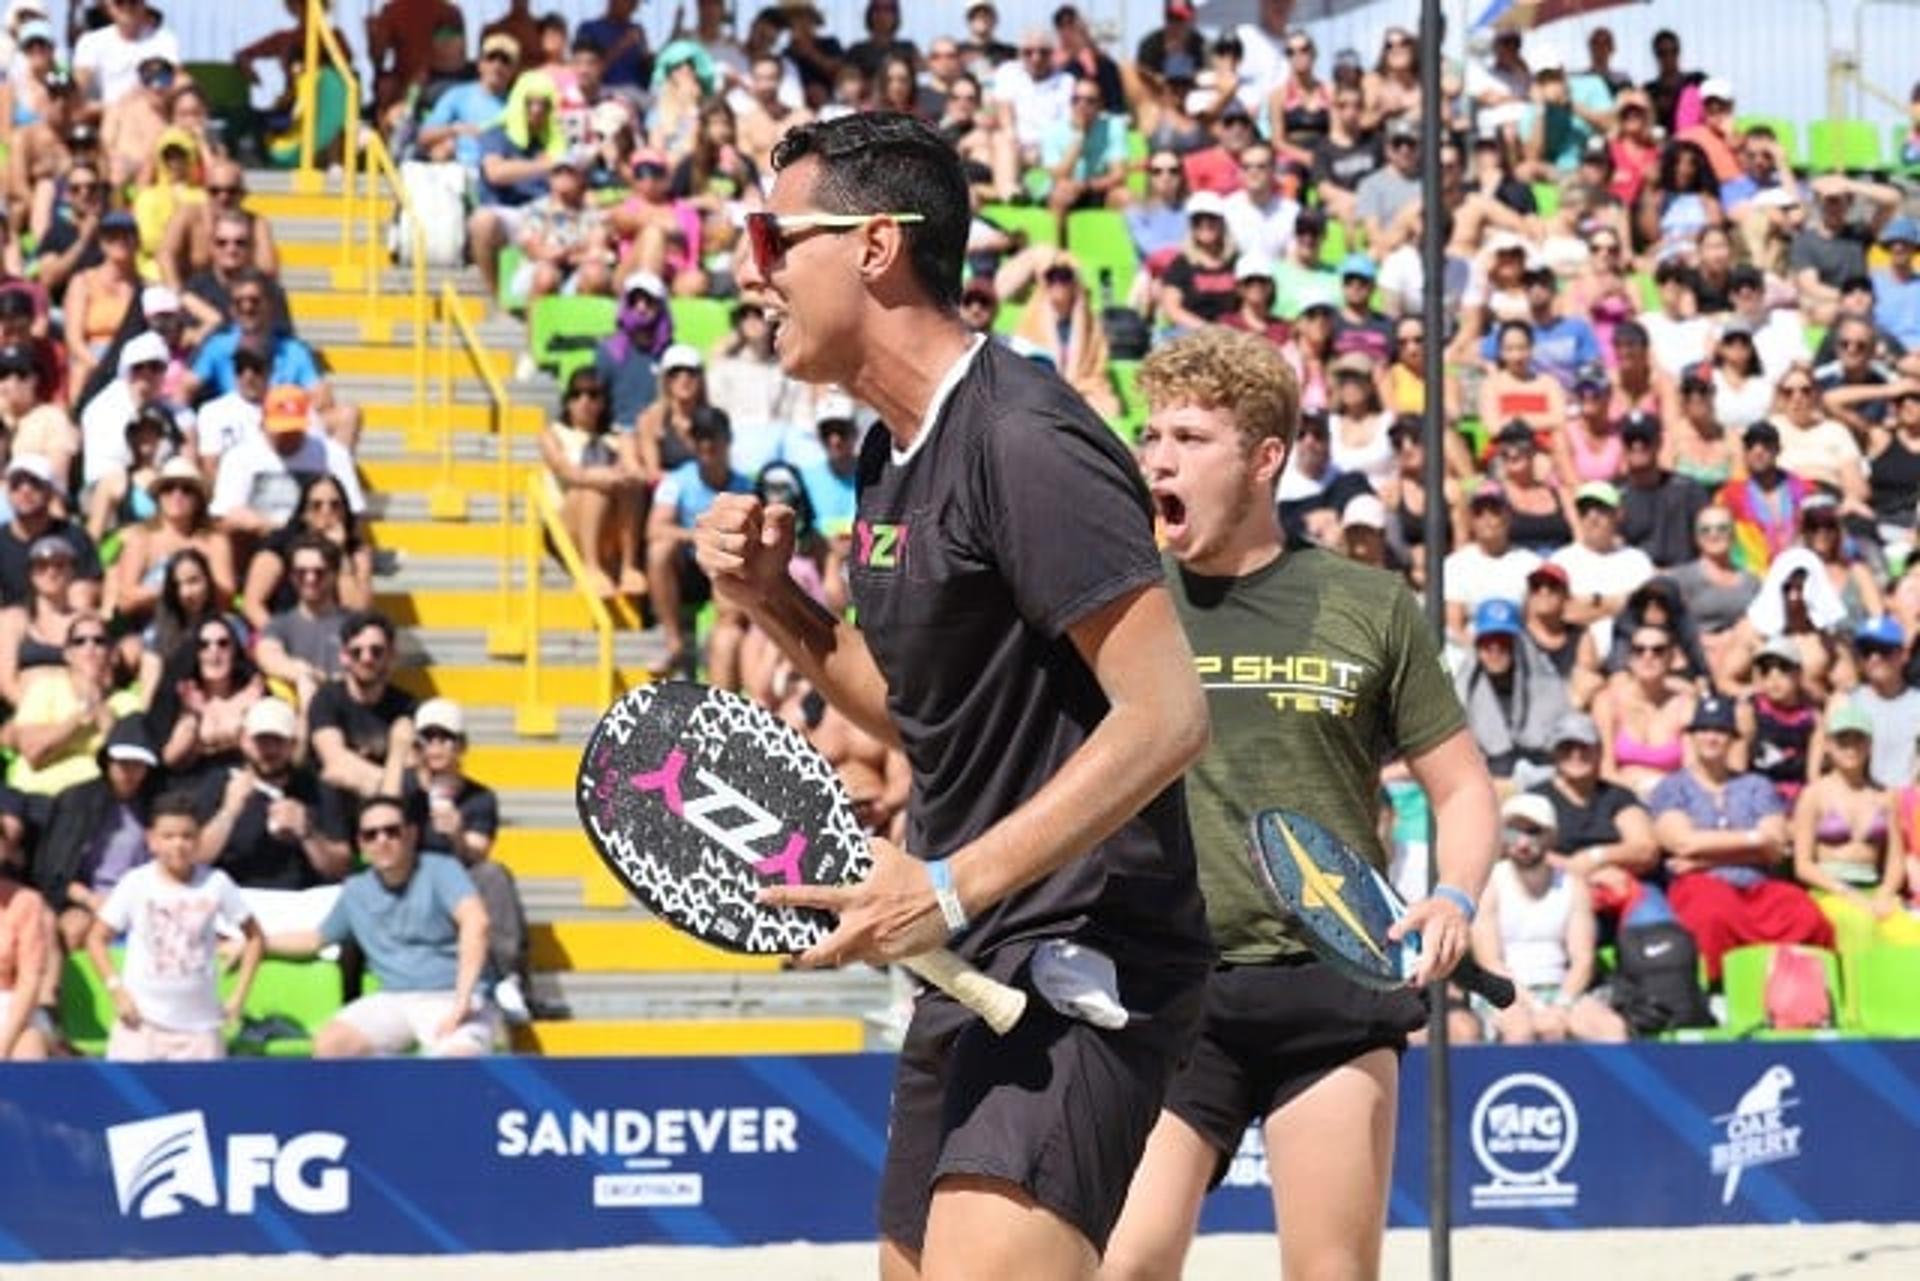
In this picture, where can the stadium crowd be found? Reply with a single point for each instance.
(1682, 446)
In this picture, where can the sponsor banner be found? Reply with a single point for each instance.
(407, 1156)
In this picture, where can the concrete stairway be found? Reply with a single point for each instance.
(632, 986)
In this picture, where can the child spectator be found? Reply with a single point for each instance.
(167, 1000)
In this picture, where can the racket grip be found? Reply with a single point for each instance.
(1495, 989)
(1001, 1006)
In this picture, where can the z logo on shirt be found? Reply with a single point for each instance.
(880, 546)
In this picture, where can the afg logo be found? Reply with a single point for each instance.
(1756, 1132)
(1248, 1169)
(1524, 1131)
(162, 1164)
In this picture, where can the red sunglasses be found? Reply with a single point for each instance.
(770, 234)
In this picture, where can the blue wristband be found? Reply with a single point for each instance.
(1458, 897)
(946, 896)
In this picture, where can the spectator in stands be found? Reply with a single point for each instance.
(1541, 505)
(167, 998)
(322, 512)
(260, 481)
(1363, 530)
(1033, 92)
(1833, 247)
(400, 40)
(1512, 694)
(1384, 192)
(1178, 43)
(1197, 287)
(1060, 320)
(26, 1032)
(1157, 224)
(1605, 834)
(1778, 720)
(664, 430)
(300, 643)
(1589, 446)
(1568, 646)
(32, 424)
(291, 361)
(133, 126)
(1643, 712)
(1215, 164)
(771, 113)
(1766, 503)
(70, 244)
(1536, 924)
(423, 930)
(622, 43)
(660, 233)
(1253, 281)
(107, 423)
(361, 725)
(1084, 156)
(1724, 833)
(1855, 387)
(1602, 571)
(564, 240)
(625, 358)
(1894, 466)
(1680, 338)
(187, 599)
(1489, 567)
(1698, 445)
(1515, 388)
(1823, 533)
(233, 256)
(266, 823)
(1857, 299)
(1846, 847)
(683, 494)
(597, 480)
(1716, 590)
(1896, 291)
(1658, 508)
(177, 180)
(97, 299)
(516, 156)
(1357, 420)
(33, 632)
(461, 114)
(63, 719)
(106, 60)
(458, 816)
(815, 53)
(179, 521)
(761, 400)
(95, 832)
(830, 482)
(204, 692)
(1260, 215)
(1891, 706)
(31, 490)
(226, 421)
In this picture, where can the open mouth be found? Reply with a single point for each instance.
(1172, 512)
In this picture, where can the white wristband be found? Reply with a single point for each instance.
(946, 896)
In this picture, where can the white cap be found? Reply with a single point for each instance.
(1252, 267)
(610, 116)
(157, 300)
(1530, 807)
(646, 282)
(1206, 202)
(142, 348)
(680, 356)
(270, 716)
(1716, 87)
(835, 404)
(1365, 511)
(1503, 241)
(34, 465)
(440, 713)
(1781, 197)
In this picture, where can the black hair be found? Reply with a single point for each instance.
(710, 422)
(553, 22)
(1703, 180)
(1673, 270)
(1506, 327)
(887, 162)
(307, 541)
(382, 798)
(178, 803)
(361, 619)
(1857, 284)
(1632, 330)
(171, 620)
(582, 374)
(587, 42)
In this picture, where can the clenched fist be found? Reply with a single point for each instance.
(744, 547)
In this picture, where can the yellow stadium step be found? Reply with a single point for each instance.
(442, 538)
(314, 305)
(364, 360)
(634, 947)
(422, 475)
(524, 765)
(501, 684)
(611, 1038)
(293, 204)
(524, 418)
(559, 852)
(560, 610)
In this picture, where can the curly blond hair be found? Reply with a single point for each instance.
(1226, 369)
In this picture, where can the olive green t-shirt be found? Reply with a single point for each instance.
(1317, 669)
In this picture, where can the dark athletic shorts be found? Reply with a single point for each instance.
(1057, 1107)
(1271, 1031)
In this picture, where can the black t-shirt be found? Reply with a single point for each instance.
(1208, 292)
(14, 585)
(1345, 164)
(258, 859)
(479, 812)
(1659, 519)
(365, 726)
(869, 54)
(1019, 515)
(1581, 826)
(60, 238)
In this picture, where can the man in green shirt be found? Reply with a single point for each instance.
(1317, 669)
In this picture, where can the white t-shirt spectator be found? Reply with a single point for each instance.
(103, 431)
(255, 475)
(1821, 453)
(1262, 232)
(114, 61)
(1473, 576)
(1780, 342)
(171, 969)
(1403, 281)
(1614, 573)
(227, 421)
(1037, 105)
(1677, 345)
(1896, 724)
(1263, 62)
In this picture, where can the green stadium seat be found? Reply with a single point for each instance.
(1743, 977)
(560, 328)
(1333, 245)
(1133, 406)
(510, 259)
(1007, 318)
(1649, 292)
(1098, 239)
(330, 121)
(1897, 143)
(1037, 222)
(1546, 199)
(1887, 987)
(86, 1007)
(700, 322)
(1852, 146)
(1815, 335)
(1137, 164)
(1784, 130)
(305, 993)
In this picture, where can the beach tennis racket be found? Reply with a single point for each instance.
(1345, 906)
(697, 799)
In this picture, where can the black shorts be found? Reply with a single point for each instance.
(1271, 1031)
(1057, 1107)
(695, 589)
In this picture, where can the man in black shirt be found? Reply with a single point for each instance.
(1605, 834)
(267, 823)
(360, 725)
(1657, 506)
(1017, 640)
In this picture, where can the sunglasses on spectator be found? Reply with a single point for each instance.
(1768, 666)
(224, 189)
(1403, 141)
(1714, 527)
(498, 55)
(82, 188)
(589, 393)
(770, 235)
(1163, 169)
(88, 640)
(246, 302)
(27, 374)
(1656, 650)
(230, 242)
(1853, 344)
(150, 367)
(648, 169)
(1869, 649)
(176, 487)
(1796, 389)
(384, 832)
(1060, 276)
(309, 571)
(434, 734)
(216, 642)
(367, 653)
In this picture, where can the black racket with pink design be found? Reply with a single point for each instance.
(697, 798)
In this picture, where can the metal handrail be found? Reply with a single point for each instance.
(543, 519)
(379, 163)
(320, 37)
(449, 500)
